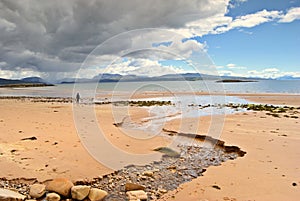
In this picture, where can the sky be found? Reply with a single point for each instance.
(74, 38)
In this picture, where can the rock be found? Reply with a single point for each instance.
(148, 173)
(133, 187)
(8, 195)
(137, 195)
(97, 194)
(61, 186)
(52, 197)
(80, 192)
(29, 138)
(161, 190)
(144, 177)
(37, 190)
(168, 151)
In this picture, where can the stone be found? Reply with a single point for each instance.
(52, 197)
(8, 195)
(133, 187)
(61, 186)
(168, 152)
(161, 190)
(97, 194)
(137, 195)
(148, 173)
(37, 190)
(80, 192)
(144, 177)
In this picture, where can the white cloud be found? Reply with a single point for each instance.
(271, 73)
(250, 20)
(271, 70)
(291, 15)
(21, 73)
(234, 66)
(142, 67)
(133, 66)
(219, 67)
(264, 73)
(207, 25)
(235, 3)
(179, 49)
(55, 36)
(230, 65)
(246, 32)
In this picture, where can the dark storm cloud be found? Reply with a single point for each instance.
(56, 35)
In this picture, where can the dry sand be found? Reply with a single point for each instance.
(266, 172)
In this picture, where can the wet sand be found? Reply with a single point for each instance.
(266, 172)
(57, 151)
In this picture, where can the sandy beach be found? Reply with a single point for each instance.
(39, 140)
(266, 172)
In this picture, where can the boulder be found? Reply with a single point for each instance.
(80, 192)
(37, 190)
(137, 195)
(61, 186)
(8, 195)
(97, 194)
(52, 197)
(133, 187)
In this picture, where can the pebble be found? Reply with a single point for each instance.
(52, 197)
(137, 195)
(61, 186)
(9, 195)
(37, 190)
(148, 173)
(97, 194)
(133, 187)
(80, 192)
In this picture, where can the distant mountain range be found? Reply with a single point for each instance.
(106, 77)
(25, 82)
(288, 77)
(168, 77)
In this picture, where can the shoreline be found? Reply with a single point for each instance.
(249, 127)
(152, 94)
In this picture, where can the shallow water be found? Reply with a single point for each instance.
(184, 107)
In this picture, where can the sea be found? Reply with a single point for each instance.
(101, 89)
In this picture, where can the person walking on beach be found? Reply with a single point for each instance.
(77, 98)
